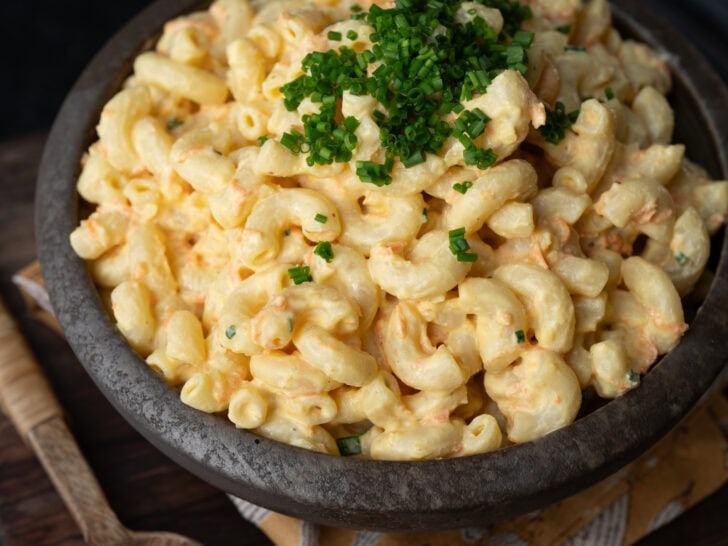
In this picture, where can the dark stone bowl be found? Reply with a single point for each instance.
(376, 494)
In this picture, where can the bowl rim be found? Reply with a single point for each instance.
(344, 491)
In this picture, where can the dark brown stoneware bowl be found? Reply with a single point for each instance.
(377, 494)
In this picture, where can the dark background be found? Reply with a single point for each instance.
(48, 42)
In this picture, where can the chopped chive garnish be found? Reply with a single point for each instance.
(520, 336)
(609, 93)
(457, 233)
(300, 274)
(230, 331)
(323, 250)
(262, 140)
(564, 29)
(632, 376)
(557, 121)
(424, 216)
(522, 38)
(417, 75)
(290, 324)
(368, 171)
(681, 258)
(321, 218)
(218, 152)
(286, 232)
(350, 445)
(462, 187)
(173, 123)
(459, 246)
(467, 257)
(575, 48)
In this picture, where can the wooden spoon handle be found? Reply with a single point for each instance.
(29, 402)
(58, 452)
(26, 396)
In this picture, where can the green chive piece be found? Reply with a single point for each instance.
(300, 274)
(466, 257)
(334, 36)
(286, 232)
(352, 35)
(424, 216)
(262, 140)
(321, 218)
(681, 258)
(522, 38)
(173, 123)
(323, 250)
(633, 377)
(557, 122)
(349, 445)
(575, 48)
(462, 187)
(217, 152)
(609, 93)
(230, 331)
(564, 29)
(520, 336)
(459, 246)
(290, 324)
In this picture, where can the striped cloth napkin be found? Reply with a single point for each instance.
(686, 466)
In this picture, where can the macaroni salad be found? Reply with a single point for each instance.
(406, 229)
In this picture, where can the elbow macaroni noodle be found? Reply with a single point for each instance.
(321, 311)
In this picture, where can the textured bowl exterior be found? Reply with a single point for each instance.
(348, 492)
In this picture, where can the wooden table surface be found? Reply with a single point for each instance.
(147, 490)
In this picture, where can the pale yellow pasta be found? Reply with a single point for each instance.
(339, 361)
(548, 304)
(281, 427)
(328, 275)
(512, 107)
(512, 180)
(117, 122)
(610, 368)
(132, 309)
(513, 220)
(247, 69)
(198, 158)
(589, 148)
(111, 268)
(414, 359)
(537, 395)
(187, 81)
(468, 11)
(185, 340)
(248, 407)
(288, 207)
(100, 232)
(416, 442)
(99, 182)
(481, 435)
(289, 373)
(499, 317)
(581, 276)
(427, 269)
(655, 112)
(199, 391)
